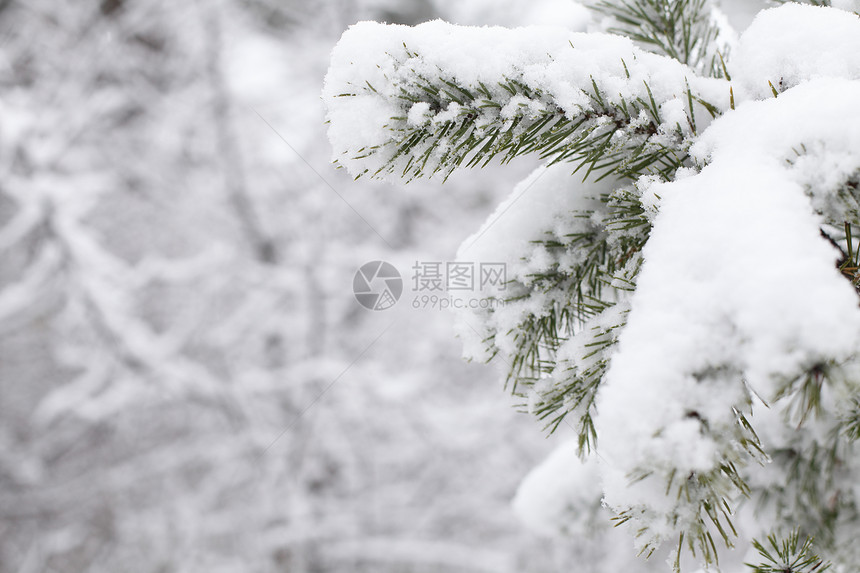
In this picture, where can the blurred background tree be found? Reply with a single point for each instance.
(186, 383)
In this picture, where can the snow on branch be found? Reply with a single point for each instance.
(789, 45)
(735, 278)
(411, 102)
(694, 287)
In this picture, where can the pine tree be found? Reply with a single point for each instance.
(690, 307)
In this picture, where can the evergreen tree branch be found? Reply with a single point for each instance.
(787, 555)
(851, 421)
(681, 29)
(470, 126)
(561, 352)
(703, 500)
(615, 122)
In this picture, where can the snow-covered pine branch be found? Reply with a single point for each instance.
(411, 102)
(572, 252)
(726, 369)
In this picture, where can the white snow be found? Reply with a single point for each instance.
(562, 495)
(795, 43)
(737, 287)
(539, 207)
(543, 206)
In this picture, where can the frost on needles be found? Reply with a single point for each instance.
(683, 270)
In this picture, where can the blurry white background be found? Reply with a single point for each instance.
(186, 381)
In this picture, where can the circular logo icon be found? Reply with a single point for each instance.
(377, 285)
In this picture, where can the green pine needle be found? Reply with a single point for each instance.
(788, 555)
